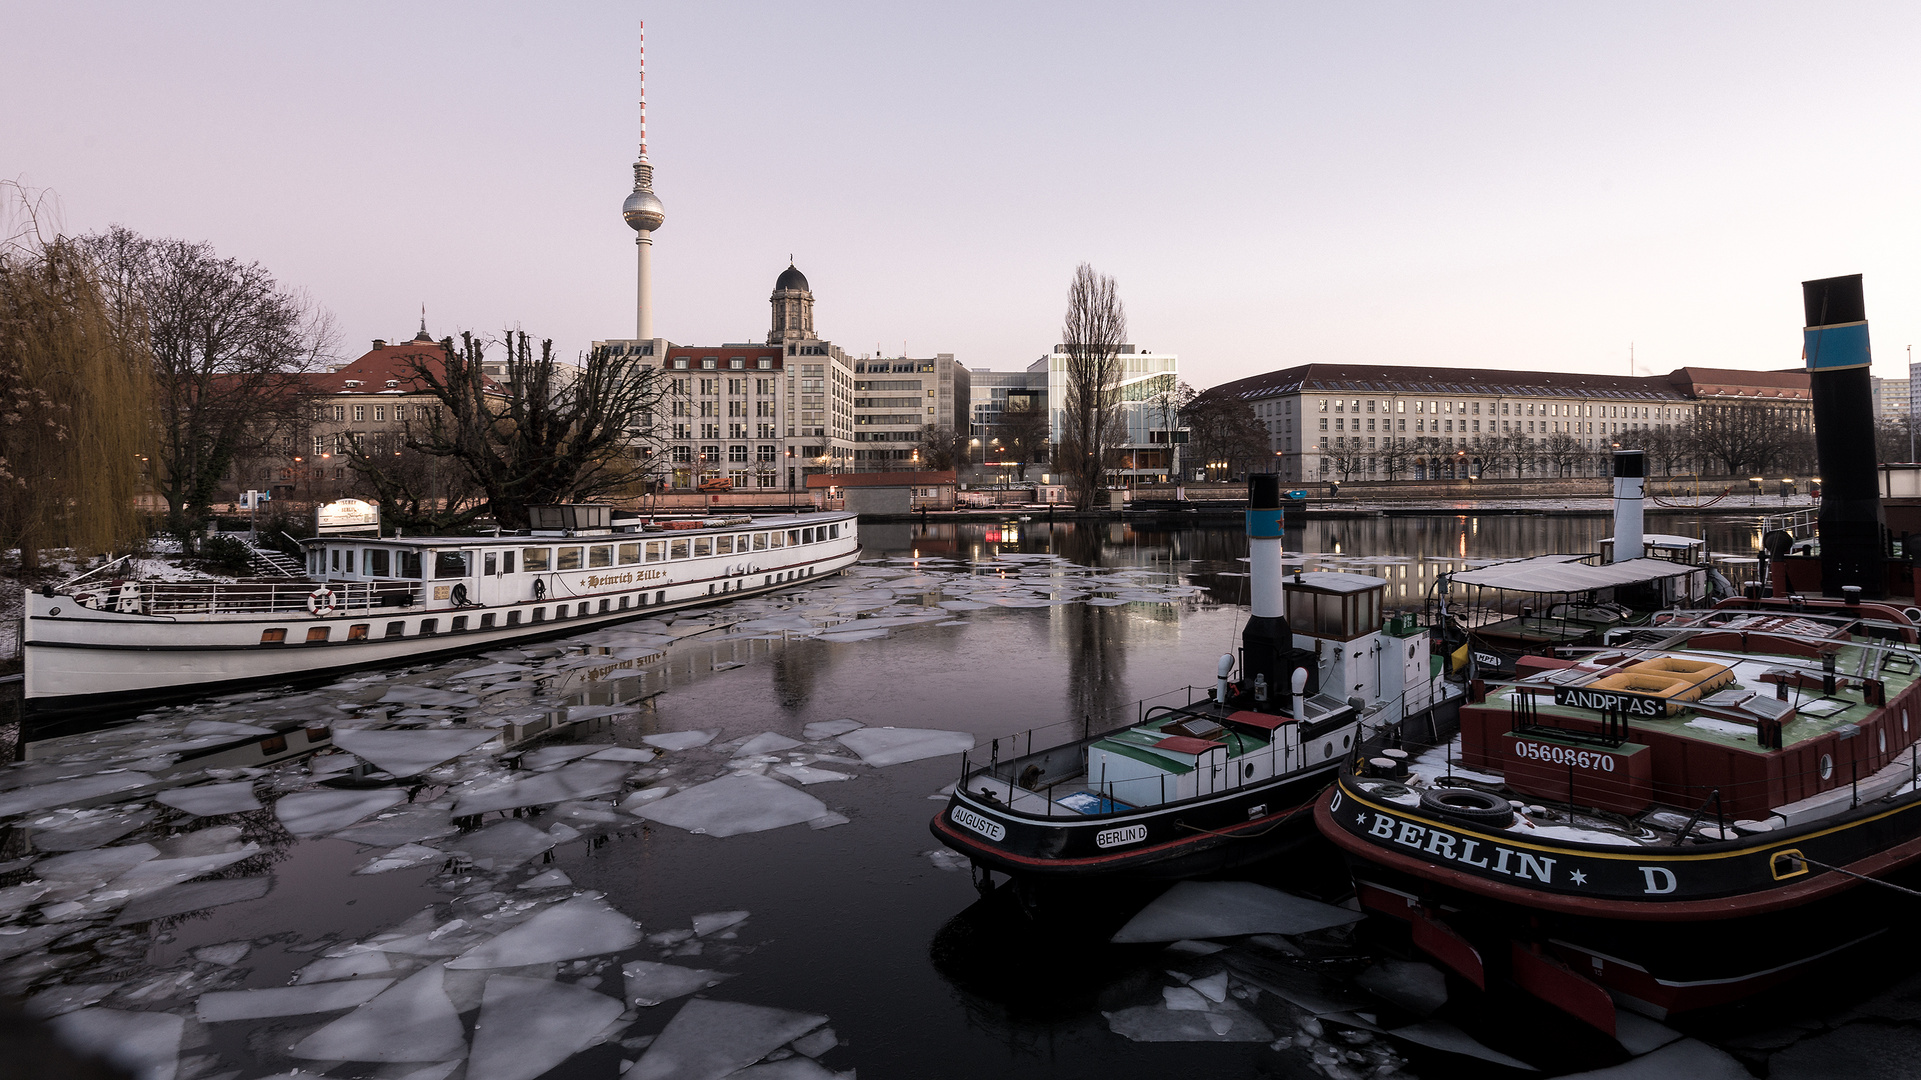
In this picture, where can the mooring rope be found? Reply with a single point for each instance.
(1859, 877)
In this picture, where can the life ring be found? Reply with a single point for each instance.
(1469, 805)
(321, 601)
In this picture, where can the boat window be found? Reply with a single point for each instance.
(603, 607)
(568, 559)
(430, 626)
(336, 557)
(451, 563)
(629, 553)
(723, 545)
(535, 559)
(314, 560)
(793, 536)
(357, 632)
(487, 621)
(540, 614)
(742, 543)
(318, 633)
(600, 555)
(776, 539)
(490, 564)
(623, 602)
(676, 549)
(760, 541)
(513, 618)
(833, 532)
(703, 545)
(350, 560)
(506, 562)
(807, 536)
(409, 564)
(377, 562)
(396, 629)
(275, 636)
(460, 623)
(656, 550)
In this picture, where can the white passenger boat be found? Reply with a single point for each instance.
(371, 600)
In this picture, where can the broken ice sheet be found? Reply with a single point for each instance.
(1419, 988)
(1155, 1023)
(893, 746)
(197, 896)
(731, 805)
(767, 742)
(310, 813)
(421, 695)
(1210, 909)
(680, 740)
(633, 754)
(80, 830)
(351, 966)
(221, 1005)
(528, 1026)
(400, 858)
(827, 729)
(649, 984)
(557, 755)
(198, 728)
(818, 1043)
(715, 921)
(226, 954)
(1446, 1037)
(409, 753)
(59, 792)
(206, 800)
(576, 781)
(146, 1044)
(793, 1068)
(583, 926)
(551, 879)
(709, 1039)
(403, 825)
(803, 774)
(504, 844)
(412, 1021)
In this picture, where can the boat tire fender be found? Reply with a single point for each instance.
(321, 601)
(459, 595)
(540, 589)
(1470, 805)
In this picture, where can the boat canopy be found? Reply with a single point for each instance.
(1568, 574)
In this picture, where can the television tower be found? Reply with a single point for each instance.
(644, 214)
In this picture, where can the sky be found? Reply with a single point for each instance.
(1570, 187)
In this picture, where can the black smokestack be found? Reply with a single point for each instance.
(1836, 341)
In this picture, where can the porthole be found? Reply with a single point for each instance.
(1327, 750)
(1247, 771)
(1346, 740)
(1827, 766)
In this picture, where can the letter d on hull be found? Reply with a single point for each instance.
(1659, 880)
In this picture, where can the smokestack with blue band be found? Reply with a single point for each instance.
(1268, 657)
(1630, 471)
(1836, 344)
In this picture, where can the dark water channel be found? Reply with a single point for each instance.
(917, 973)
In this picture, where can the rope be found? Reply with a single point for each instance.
(1858, 877)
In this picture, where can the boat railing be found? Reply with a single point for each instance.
(1800, 524)
(245, 597)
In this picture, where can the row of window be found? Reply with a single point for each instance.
(324, 413)
(1584, 427)
(1519, 408)
(711, 363)
(380, 562)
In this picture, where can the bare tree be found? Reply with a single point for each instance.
(546, 432)
(1395, 456)
(1426, 449)
(415, 491)
(1091, 337)
(1565, 451)
(1223, 429)
(941, 447)
(226, 341)
(1491, 451)
(1023, 434)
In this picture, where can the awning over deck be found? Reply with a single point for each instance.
(1566, 574)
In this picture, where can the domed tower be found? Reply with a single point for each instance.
(793, 307)
(644, 214)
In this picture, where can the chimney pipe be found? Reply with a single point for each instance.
(1835, 340)
(1630, 470)
(1266, 640)
(380, 343)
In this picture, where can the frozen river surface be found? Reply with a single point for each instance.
(697, 846)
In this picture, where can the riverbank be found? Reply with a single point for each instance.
(1343, 508)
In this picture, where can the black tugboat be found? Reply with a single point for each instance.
(1208, 784)
(1703, 810)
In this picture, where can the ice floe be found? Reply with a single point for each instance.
(504, 844)
(583, 926)
(767, 742)
(801, 774)
(893, 746)
(680, 740)
(1210, 909)
(1157, 1023)
(709, 1039)
(827, 729)
(528, 1026)
(310, 813)
(207, 800)
(401, 858)
(409, 753)
(576, 781)
(411, 1021)
(731, 805)
(649, 983)
(196, 896)
(147, 1044)
(221, 1005)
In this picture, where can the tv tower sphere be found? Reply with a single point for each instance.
(643, 210)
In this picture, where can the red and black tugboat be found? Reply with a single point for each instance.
(1191, 788)
(1704, 809)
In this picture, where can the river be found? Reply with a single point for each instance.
(853, 913)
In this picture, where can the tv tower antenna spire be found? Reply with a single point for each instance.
(643, 214)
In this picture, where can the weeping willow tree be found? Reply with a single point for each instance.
(72, 402)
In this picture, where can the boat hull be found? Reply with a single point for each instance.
(1669, 929)
(1195, 836)
(78, 657)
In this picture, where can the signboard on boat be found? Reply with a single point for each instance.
(347, 516)
(1582, 697)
